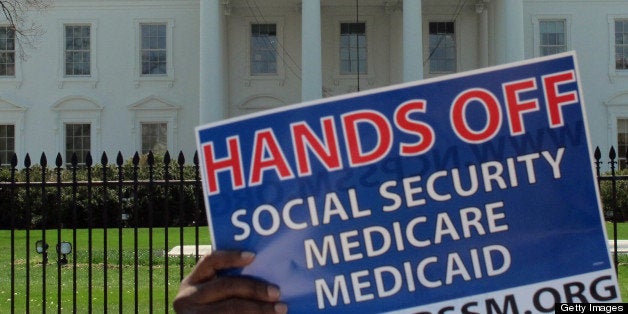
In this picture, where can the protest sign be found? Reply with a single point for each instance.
(471, 193)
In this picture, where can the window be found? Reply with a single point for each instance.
(622, 141)
(552, 36)
(77, 50)
(77, 141)
(154, 138)
(7, 143)
(154, 125)
(7, 51)
(442, 47)
(263, 49)
(353, 58)
(621, 44)
(154, 49)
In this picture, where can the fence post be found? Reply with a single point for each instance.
(119, 163)
(43, 162)
(74, 164)
(181, 162)
(58, 164)
(166, 224)
(27, 173)
(612, 155)
(12, 209)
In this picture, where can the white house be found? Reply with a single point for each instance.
(128, 76)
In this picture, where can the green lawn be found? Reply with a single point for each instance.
(622, 278)
(97, 269)
(127, 267)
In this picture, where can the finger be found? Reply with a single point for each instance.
(240, 306)
(210, 264)
(223, 288)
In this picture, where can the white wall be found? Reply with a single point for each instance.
(591, 36)
(114, 85)
(117, 94)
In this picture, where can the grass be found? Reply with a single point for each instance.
(622, 269)
(149, 261)
(162, 293)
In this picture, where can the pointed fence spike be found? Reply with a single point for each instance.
(167, 158)
(597, 154)
(14, 160)
(43, 161)
(151, 158)
(59, 160)
(136, 159)
(74, 160)
(612, 154)
(181, 159)
(27, 161)
(103, 159)
(88, 159)
(119, 159)
(196, 158)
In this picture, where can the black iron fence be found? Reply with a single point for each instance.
(99, 237)
(613, 192)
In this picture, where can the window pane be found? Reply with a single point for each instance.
(153, 52)
(263, 54)
(154, 138)
(621, 53)
(442, 43)
(77, 50)
(622, 141)
(77, 141)
(7, 142)
(7, 51)
(552, 37)
(353, 48)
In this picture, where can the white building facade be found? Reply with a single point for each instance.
(131, 76)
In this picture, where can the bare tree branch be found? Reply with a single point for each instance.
(21, 17)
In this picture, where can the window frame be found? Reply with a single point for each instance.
(536, 24)
(263, 50)
(169, 76)
(5, 160)
(14, 51)
(612, 70)
(68, 158)
(142, 139)
(358, 59)
(17, 77)
(426, 49)
(74, 110)
(153, 109)
(13, 114)
(279, 27)
(92, 78)
(617, 109)
(368, 20)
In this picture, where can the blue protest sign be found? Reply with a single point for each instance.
(458, 194)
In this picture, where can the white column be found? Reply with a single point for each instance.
(212, 85)
(311, 53)
(412, 40)
(513, 30)
(482, 10)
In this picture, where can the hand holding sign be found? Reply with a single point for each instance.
(205, 292)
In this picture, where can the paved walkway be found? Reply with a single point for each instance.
(190, 250)
(622, 246)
